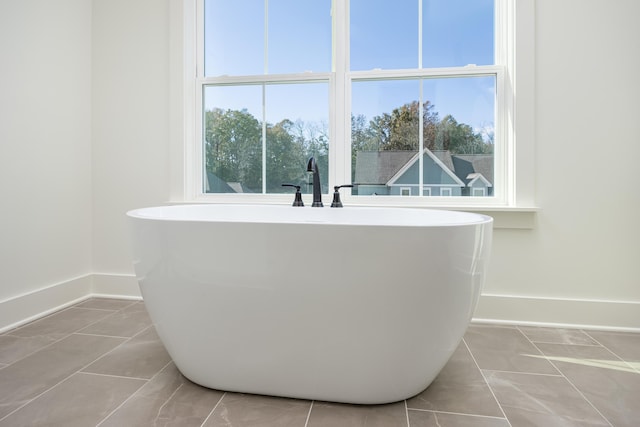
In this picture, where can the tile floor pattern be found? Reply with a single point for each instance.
(100, 363)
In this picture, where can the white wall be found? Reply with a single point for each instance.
(45, 144)
(586, 242)
(130, 83)
(578, 265)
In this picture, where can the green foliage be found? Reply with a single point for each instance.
(459, 138)
(233, 147)
(285, 157)
(399, 131)
(233, 150)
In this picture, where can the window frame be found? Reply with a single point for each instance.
(514, 52)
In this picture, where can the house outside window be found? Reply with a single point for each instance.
(478, 192)
(280, 81)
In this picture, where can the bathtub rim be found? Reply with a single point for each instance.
(314, 216)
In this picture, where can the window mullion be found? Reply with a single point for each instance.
(266, 37)
(420, 109)
(340, 141)
(420, 37)
(264, 139)
(421, 141)
(264, 96)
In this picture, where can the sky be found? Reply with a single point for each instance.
(384, 34)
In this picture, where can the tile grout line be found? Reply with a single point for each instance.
(169, 398)
(109, 309)
(406, 411)
(56, 341)
(116, 376)
(213, 410)
(39, 349)
(126, 340)
(77, 371)
(306, 422)
(104, 318)
(565, 343)
(100, 335)
(633, 368)
(73, 373)
(486, 382)
(526, 373)
(457, 413)
(132, 394)
(59, 382)
(567, 379)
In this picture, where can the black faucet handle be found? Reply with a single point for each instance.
(336, 195)
(298, 200)
(337, 187)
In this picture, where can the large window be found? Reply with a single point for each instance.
(402, 98)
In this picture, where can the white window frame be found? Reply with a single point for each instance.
(514, 161)
(447, 190)
(402, 189)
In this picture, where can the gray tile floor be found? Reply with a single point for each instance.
(100, 363)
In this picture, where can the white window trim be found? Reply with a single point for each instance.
(519, 128)
(446, 190)
(403, 189)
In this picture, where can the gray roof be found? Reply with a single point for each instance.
(217, 185)
(377, 167)
(445, 157)
(465, 164)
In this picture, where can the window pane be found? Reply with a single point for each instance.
(457, 131)
(384, 34)
(299, 36)
(460, 132)
(385, 137)
(457, 33)
(233, 37)
(297, 129)
(233, 139)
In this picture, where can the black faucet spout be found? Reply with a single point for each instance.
(312, 166)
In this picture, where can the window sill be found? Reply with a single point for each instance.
(515, 217)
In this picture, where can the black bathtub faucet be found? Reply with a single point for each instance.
(312, 166)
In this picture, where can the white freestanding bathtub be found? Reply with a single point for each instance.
(357, 305)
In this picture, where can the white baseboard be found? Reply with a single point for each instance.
(123, 286)
(33, 305)
(501, 309)
(559, 312)
(27, 307)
